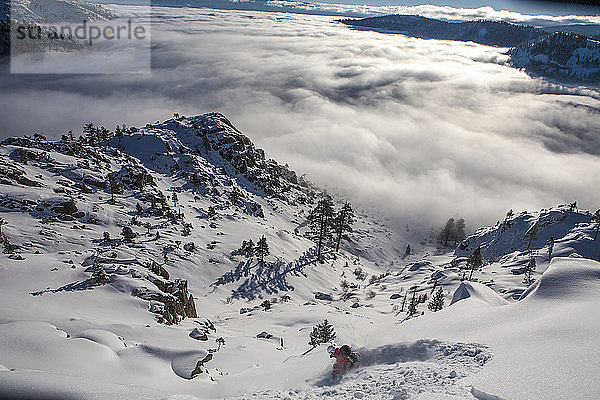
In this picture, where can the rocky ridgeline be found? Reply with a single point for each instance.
(561, 231)
(213, 138)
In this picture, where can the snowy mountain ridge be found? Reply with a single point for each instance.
(564, 56)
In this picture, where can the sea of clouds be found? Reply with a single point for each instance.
(421, 129)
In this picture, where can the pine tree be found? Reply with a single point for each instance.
(211, 212)
(505, 223)
(319, 221)
(458, 231)
(262, 250)
(119, 133)
(437, 301)
(529, 268)
(446, 232)
(112, 183)
(404, 302)
(414, 302)
(2, 222)
(531, 235)
(99, 275)
(322, 333)
(175, 199)
(106, 236)
(91, 133)
(266, 305)
(194, 180)
(407, 252)
(128, 234)
(475, 260)
(148, 226)
(343, 223)
(248, 248)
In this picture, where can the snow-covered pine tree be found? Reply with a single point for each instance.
(262, 250)
(342, 223)
(437, 301)
(407, 252)
(319, 221)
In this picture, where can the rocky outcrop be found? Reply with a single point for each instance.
(172, 303)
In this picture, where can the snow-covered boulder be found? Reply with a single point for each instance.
(479, 292)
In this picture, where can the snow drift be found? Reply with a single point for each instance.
(479, 292)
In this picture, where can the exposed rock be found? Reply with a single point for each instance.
(159, 270)
(323, 296)
(59, 206)
(264, 335)
(199, 335)
(199, 366)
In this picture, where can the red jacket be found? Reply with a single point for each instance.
(342, 362)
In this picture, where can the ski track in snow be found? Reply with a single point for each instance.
(398, 371)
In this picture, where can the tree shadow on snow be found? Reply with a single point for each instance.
(87, 284)
(269, 278)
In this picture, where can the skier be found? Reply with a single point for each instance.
(345, 359)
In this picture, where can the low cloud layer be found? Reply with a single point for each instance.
(421, 129)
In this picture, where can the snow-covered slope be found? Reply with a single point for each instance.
(89, 309)
(565, 56)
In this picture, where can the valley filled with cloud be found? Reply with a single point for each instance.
(422, 129)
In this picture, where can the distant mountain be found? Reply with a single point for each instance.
(491, 33)
(590, 30)
(563, 56)
(559, 55)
